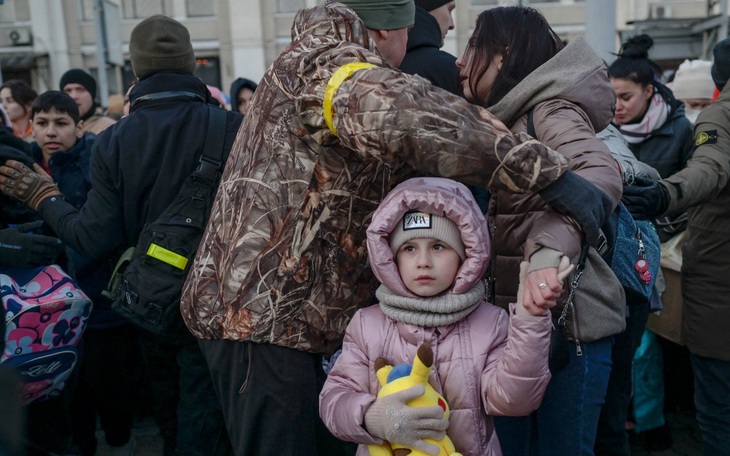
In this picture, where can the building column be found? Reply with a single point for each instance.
(601, 27)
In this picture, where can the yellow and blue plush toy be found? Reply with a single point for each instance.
(401, 377)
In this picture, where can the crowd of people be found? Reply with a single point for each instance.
(383, 201)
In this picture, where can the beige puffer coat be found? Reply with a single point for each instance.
(571, 98)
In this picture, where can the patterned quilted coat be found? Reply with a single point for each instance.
(283, 259)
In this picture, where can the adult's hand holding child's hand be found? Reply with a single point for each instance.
(540, 290)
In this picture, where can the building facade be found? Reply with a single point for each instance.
(41, 39)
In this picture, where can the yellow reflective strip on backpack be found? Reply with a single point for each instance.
(336, 80)
(167, 256)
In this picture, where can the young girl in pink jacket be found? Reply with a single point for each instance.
(429, 246)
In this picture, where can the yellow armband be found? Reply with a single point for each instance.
(336, 80)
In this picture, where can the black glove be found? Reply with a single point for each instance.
(19, 248)
(581, 200)
(646, 198)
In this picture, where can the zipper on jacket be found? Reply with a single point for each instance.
(570, 307)
(491, 277)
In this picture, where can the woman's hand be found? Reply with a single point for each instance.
(543, 287)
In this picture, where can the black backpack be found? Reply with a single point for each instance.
(148, 280)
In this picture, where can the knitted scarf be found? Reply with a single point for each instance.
(656, 115)
(433, 311)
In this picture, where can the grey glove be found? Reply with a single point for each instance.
(20, 248)
(389, 418)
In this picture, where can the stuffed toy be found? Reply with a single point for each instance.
(401, 377)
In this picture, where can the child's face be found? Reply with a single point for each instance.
(427, 266)
(55, 131)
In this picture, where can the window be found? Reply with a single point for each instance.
(138, 9)
(15, 11)
(200, 8)
(87, 10)
(290, 6)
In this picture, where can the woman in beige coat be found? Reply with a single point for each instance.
(567, 96)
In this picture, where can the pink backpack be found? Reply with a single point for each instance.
(45, 315)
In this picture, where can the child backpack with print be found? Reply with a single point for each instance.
(45, 314)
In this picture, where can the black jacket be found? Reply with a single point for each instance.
(425, 58)
(71, 173)
(12, 211)
(138, 165)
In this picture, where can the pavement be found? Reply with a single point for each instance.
(685, 436)
(148, 441)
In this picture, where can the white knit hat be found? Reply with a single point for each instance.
(417, 224)
(693, 80)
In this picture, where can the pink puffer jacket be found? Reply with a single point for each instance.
(486, 364)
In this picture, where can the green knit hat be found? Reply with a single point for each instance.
(160, 43)
(384, 14)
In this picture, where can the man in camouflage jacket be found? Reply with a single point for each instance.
(283, 265)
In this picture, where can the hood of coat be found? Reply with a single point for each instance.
(331, 20)
(576, 74)
(438, 196)
(237, 86)
(425, 32)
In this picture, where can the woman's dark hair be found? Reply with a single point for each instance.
(60, 101)
(634, 64)
(22, 93)
(521, 35)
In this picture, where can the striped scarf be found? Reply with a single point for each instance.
(656, 116)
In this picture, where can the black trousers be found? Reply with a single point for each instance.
(104, 387)
(270, 399)
(186, 407)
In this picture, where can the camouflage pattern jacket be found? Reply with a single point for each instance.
(283, 259)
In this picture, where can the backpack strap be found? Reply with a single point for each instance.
(211, 159)
(531, 123)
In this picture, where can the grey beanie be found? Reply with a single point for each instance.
(721, 67)
(160, 43)
(417, 224)
(430, 5)
(384, 14)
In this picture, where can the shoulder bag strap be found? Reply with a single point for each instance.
(211, 161)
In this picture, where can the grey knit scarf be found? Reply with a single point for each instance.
(430, 312)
